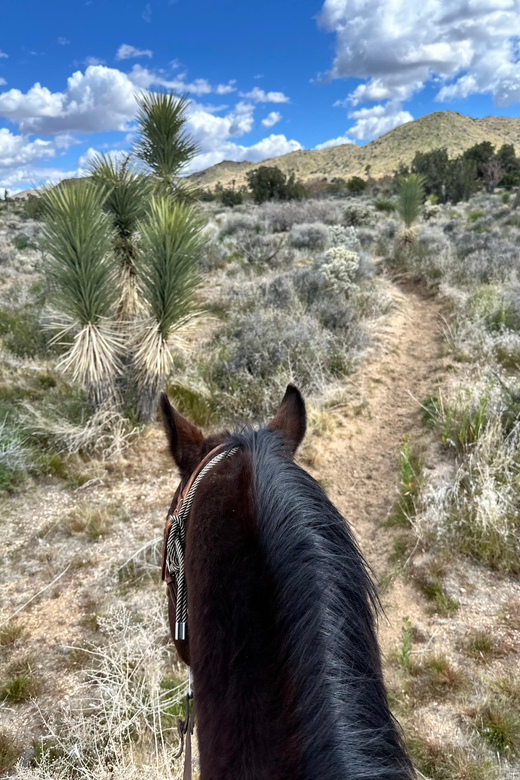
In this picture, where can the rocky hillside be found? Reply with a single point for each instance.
(442, 128)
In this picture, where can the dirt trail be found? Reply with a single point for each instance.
(361, 464)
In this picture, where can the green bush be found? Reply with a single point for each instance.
(270, 183)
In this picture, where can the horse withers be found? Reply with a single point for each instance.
(280, 612)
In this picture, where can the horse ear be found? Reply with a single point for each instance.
(290, 419)
(184, 439)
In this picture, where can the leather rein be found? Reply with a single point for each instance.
(173, 574)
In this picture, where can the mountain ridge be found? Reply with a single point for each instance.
(440, 128)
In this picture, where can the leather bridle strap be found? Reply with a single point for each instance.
(172, 572)
(175, 536)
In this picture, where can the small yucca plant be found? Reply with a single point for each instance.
(171, 242)
(78, 238)
(126, 193)
(164, 146)
(409, 203)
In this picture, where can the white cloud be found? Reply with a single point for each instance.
(272, 146)
(126, 52)
(63, 41)
(225, 89)
(100, 99)
(261, 96)
(2, 82)
(373, 122)
(93, 61)
(271, 119)
(3, 54)
(147, 13)
(17, 150)
(396, 47)
(33, 176)
(342, 139)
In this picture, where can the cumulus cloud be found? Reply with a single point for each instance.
(271, 119)
(100, 99)
(272, 146)
(261, 96)
(3, 54)
(126, 52)
(17, 150)
(63, 41)
(342, 139)
(93, 61)
(2, 82)
(396, 47)
(372, 122)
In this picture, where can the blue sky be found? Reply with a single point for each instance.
(264, 78)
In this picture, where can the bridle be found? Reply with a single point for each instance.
(172, 573)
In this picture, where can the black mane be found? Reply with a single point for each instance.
(328, 606)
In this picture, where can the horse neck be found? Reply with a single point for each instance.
(244, 696)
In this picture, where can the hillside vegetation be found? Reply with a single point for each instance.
(383, 154)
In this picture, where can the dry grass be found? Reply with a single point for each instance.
(93, 521)
(435, 677)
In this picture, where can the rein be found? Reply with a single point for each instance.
(172, 573)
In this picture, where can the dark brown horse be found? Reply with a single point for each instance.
(281, 616)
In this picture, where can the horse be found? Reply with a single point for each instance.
(281, 613)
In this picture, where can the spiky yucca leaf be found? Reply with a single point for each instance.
(163, 145)
(80, 266)
(171, 242)
(77, 236)
(410, 198)
(126, 194)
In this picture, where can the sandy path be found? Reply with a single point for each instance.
(361, 463)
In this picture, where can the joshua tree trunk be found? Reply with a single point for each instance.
(148, 399)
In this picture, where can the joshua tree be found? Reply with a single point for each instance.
(123, 250)
(492, 173)
(80, 265)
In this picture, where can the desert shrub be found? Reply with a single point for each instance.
(357, 213)
(476, 509)
(105, 433)
(14, 454)
(340, 270)
(430, 210)
(32, 208)
(236, 223)
(384, 204)
(309, 236)
(280, 217)
(22, 242)
(125, 711)
(231, 197)
(260, 249)
(213, 255)
(260, 351)
(270, 183)
(344, 236)
(356, 184)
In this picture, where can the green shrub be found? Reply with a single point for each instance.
(384, 204)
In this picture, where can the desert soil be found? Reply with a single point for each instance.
(359, 465)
